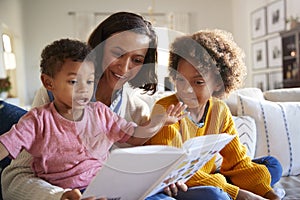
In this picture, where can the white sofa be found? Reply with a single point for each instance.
(276, 117)
(268, 124)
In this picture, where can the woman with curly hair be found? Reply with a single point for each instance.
(206, 66)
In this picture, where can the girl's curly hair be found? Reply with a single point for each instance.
(211, 50)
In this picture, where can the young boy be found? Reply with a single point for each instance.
(70, 137)
(205, 66)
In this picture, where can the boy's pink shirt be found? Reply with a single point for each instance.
(67, 153)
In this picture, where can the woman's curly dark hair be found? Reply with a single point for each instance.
(211, 50)
(55, 54)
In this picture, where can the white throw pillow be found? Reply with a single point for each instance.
(245, 126)
(278, 127)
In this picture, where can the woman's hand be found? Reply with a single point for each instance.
(75, 194)
(173, 189)
(244, 194)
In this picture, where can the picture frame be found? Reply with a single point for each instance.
(274, 52)
(258, 23)
(276, 16)
(275, 80)
(260, 81)
(259, 55)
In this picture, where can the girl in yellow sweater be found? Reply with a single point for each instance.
(206, 66)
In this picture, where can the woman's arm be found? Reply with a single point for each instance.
(19, 182)
(41, 97)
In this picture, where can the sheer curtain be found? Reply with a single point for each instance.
(85, 22)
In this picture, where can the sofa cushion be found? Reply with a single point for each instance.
(245, 126)
(285, 94)
(277, 126)
(291, 185)
(232, 100)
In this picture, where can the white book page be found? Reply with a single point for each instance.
(130, 172)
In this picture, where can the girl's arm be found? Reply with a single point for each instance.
(159, 118)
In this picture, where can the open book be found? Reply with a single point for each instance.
(137, 172)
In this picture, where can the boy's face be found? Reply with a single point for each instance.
(193, 88)
(73, 85)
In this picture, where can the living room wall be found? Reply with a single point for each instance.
(39, 22)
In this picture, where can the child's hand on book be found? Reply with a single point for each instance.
(175, 113)
(75, 194)
(173, 189)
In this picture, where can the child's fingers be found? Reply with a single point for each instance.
(170, 109)
(176, 111)
(182, 186)
(179, 108)
(183, 115)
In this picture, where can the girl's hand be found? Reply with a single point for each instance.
(175, 113)
(173, 189)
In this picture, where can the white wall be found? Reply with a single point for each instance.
(39, 22)
(45, 21)
(10, 22)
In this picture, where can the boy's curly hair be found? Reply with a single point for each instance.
(55, 54)
(211, 50)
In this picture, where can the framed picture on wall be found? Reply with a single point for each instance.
(258, 23)
(276, 16)
(274, 52)
(260, 81)
(259, 55)
(275, 80)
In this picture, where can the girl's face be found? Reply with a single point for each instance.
(73, 85)
(123, 56)
(193, 88)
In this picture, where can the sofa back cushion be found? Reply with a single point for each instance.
(278, 130)
(285, 94)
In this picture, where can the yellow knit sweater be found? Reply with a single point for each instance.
(236, 164)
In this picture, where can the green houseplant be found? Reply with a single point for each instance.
(5, 86)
